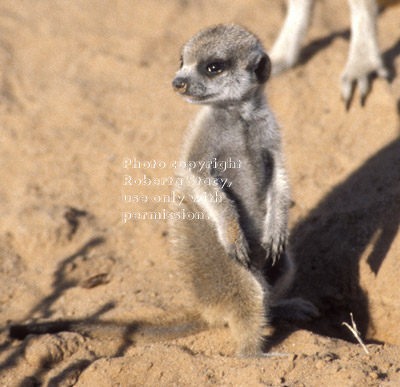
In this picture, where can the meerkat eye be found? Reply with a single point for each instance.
(215, 68)
(181, 63)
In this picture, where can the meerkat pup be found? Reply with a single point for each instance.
(233, 254)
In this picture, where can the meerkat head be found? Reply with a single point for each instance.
(225, 64)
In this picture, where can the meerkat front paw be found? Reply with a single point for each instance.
(239, 251)
(274, 248)
(235, 244)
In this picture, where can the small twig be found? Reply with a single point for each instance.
(355, 332)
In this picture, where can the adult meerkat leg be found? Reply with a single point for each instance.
(286, 49)
(364, 55)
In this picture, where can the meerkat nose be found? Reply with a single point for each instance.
(179, 85)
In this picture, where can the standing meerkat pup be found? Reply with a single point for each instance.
(233, 255)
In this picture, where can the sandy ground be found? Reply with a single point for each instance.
(85, 84)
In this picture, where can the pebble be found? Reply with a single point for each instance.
(374, 375)
(320, 364)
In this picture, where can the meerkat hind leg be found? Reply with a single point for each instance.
(280, 276)
(249, 319)
(244, 312)
(223, 291)
(231, 293)
(294, 309)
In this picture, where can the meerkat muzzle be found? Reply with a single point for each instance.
(179, 85)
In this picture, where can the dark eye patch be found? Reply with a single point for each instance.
(213, 67)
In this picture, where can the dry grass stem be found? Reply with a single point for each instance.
(355, 332)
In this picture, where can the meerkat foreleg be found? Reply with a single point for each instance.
(276, 221)
(225, 217)
(364, 55)
(286, 50)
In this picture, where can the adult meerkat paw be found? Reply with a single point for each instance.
(364, 59)
(354, 75)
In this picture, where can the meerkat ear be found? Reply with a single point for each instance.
(262, 68)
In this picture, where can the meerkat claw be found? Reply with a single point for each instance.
(274, 251)
(347, 91)
(240, 255)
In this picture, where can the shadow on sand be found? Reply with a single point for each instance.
(329, 242)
